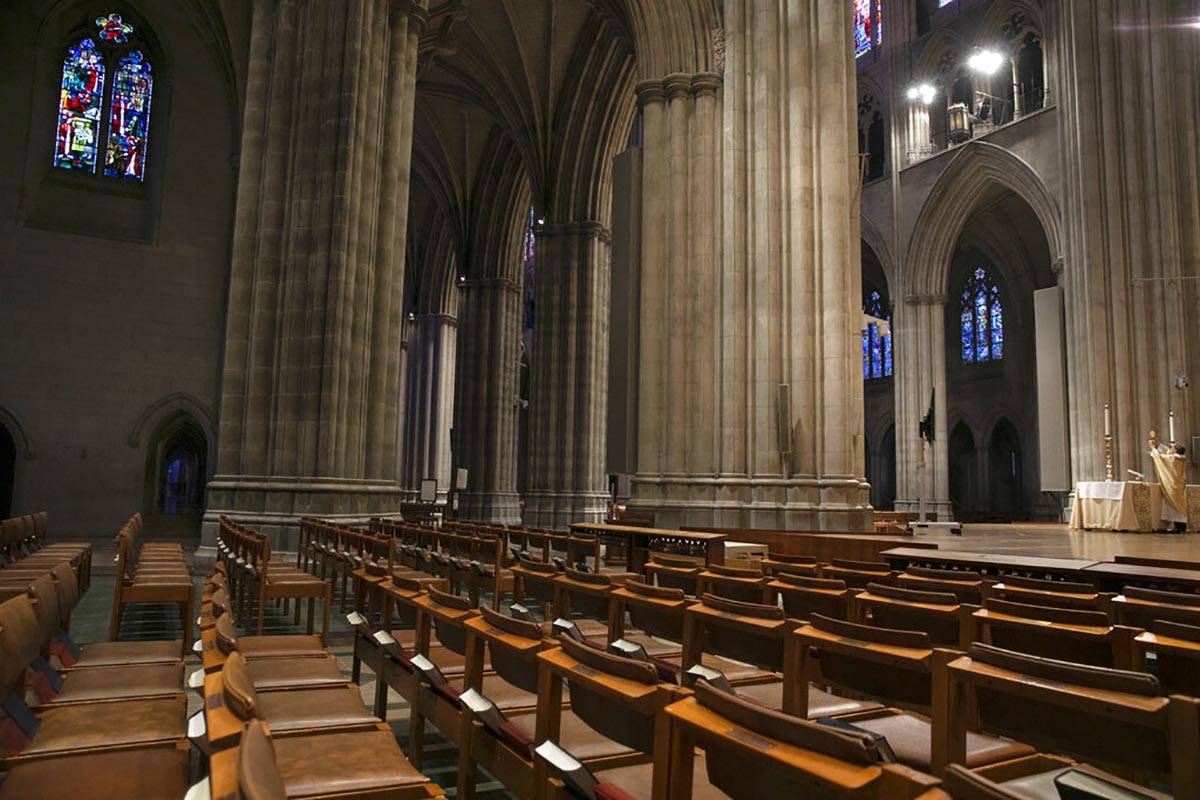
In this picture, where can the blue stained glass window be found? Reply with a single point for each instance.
(868, 25)
(943, 3)
(130, 123)
(981, 319)
(79, 108)
(877, 347)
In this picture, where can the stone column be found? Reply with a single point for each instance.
(308, 418)
(920, 370)
(569, 375)
(430, 403)
(486, 401)
(1129, 83)
(750, 405)
(918, 132)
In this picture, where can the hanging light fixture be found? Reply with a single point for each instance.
(959, 123)
(986, 62)
(921, 93)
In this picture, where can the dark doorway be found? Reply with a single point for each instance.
(8, 472)
(963, 468)
(887, 477)
(1031, 77)
(1004, 472)
(180, 481)
(176, 470)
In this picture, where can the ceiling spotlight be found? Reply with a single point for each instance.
(922, 93)
(987, 62)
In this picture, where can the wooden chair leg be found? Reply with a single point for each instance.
(187, 624)
(325, 620)
(114, 625)
(416, 737)
(262, 612)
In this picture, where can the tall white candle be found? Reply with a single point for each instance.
(1107, 420)
(1171, 425)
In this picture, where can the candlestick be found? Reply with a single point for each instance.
(1171, 428)
(1108, 459)
(1107, 420)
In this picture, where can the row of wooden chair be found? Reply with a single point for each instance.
(259, 579)
(280, 721)
(25, 554)
(476, 683)
(98, 720)
(152, 573)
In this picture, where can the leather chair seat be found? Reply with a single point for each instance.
(298, 673)
(449, 662)
(638, 780)
(297, 644)
(106, 726)
(581, 740)
(342, 763)
(820, 702)
(506, 696)
(114, 683)
(734, 671)
(655, 648)
(911, 739)
(1041, 786)
(337, 707)
(150, 772)
(111, 654)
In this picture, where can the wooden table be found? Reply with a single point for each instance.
(639, 541)
(988, 563)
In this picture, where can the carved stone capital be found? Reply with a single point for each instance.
(706, 84)
(650, 92)
(677, 85)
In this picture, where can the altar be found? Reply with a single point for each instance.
(1126, 506)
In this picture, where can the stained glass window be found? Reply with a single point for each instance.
(95, 113)
(942, 3)
(130, 123)
(868, 25)
(79, 108)
(877, 347)
(981, 319)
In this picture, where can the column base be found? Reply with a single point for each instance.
(800, 504)
(275, 506)
(557, 510)
(496, 508)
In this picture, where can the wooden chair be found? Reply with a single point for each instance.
(753, 634)
(733, 583)
(153, 576)
(776, 563)
(272, 580)
(504, 747)
(270, 668)
(1054, 594)
(938, 614)
(857, 574)
(1140, 608)
(533, 581)
(674, 572)
(753, 753)
(1176, 650)
(1113, 719)
(1034, 777)
(966, 585)
(231, 701)
(1085, 637)
(584, 598)
(803, 596)
(146, 771)
(332, 766)
(899, 668)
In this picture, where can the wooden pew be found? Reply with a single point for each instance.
(1065, 634)
(947, 622)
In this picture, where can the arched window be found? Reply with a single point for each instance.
(868, 25)
(93, 111)
(982, 319)
(877, 347)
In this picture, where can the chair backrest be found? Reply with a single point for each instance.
(966, 585)
(803, 596)
(1082, 636)
(537, 579)
(938, 614)
(237, 688)
(1054, 594)
(46, 607)
(1141, 607)
(756, 753)
(857, 574)
(68, 589)
(775, 563)
(752, 633)
(584, 593)
(673, 572)
(447, 615)
(655, 610)
(258, 775)
(1105, 716)
(734, 583)
(1176, 649)
(20, 637)
(893, 666)
(513, 645)
(596, 696)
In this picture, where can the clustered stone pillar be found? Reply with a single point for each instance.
(569, 375)
(920, 322)
(486, 400)
(430, 403)
(1129, 86)
(311, 385)
(750, 401)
